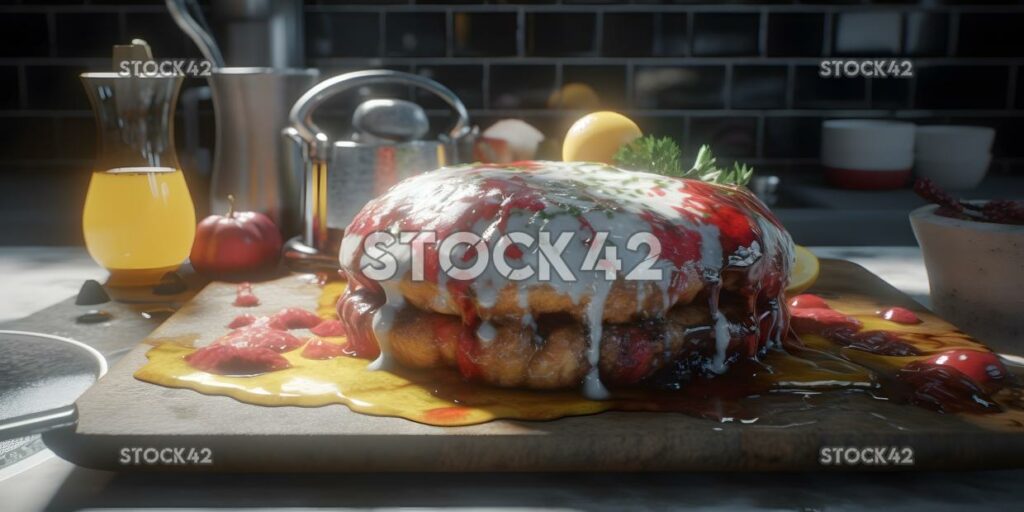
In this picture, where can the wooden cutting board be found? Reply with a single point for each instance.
(122, 420)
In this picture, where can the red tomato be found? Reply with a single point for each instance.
(235, 246)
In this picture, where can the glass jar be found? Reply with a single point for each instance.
(139, 220)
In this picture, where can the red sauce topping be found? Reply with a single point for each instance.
(446, 413)
(944, 388)
(244, 297)
(319, 348)
(900, 315)
(636, 353)
(261, 337)
(953, 381)
(984, 368)
(242, 321)
(328, 328)
(883, 343)
(808, 300)
(294, 318)
(356, 310)
(478, 194)
(236, 360)
(820, 320)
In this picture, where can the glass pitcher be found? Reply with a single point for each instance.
(139, 220)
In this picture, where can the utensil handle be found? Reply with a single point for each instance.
(39, 422)
(301, 116)
(195, 31)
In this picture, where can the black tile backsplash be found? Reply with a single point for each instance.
(24, 138)
(680, 87)
(77, 137)
(628, 34)
(813, 91)
(355, 34)
(10, 89)
(890, 93)
(81, 34)
(556, 34)
(725, 34)
(673, 35)
(759, 86)
(415, 34)
(1010, 134)
(1019, 95)
(608, 82)
(478, 34)
(465, 80)
(24, 35)
(55, 88)
(991, 35)
(960, 87)
(792, 137)
(926, 34)
(741, 75)
(867, 34)
(731, 137)
(521, 86)
(795, 34)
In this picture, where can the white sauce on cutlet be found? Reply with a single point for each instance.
(557, 198)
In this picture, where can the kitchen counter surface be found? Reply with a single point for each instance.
(817, 214)
(37, 277)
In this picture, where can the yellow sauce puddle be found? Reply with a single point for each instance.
(441, 397)
(345, 380)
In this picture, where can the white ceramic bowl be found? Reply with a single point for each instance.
(953, 142)
(949, 174)
(867, 153)
(976, 275)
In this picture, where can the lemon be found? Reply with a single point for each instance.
(598, 136)
(804, 273)
(575, 95)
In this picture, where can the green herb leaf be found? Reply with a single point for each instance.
(662, 156)
(704, 169)
(651, 154)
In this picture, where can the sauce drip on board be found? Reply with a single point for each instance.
(814, 370)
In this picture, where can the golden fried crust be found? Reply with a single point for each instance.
(551, 357)
(621, 304)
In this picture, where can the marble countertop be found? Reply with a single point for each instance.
(38, 277)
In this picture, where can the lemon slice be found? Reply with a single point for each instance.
(804, 273)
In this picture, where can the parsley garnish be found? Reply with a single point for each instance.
(661, 155)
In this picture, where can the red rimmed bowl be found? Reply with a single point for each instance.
(867, 154)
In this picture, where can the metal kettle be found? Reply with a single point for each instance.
(341, 176)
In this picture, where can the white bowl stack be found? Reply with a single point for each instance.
(954, 157)
(867, 154)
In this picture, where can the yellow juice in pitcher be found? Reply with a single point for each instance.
(138, 222)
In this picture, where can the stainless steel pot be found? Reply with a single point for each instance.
(340, 176)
